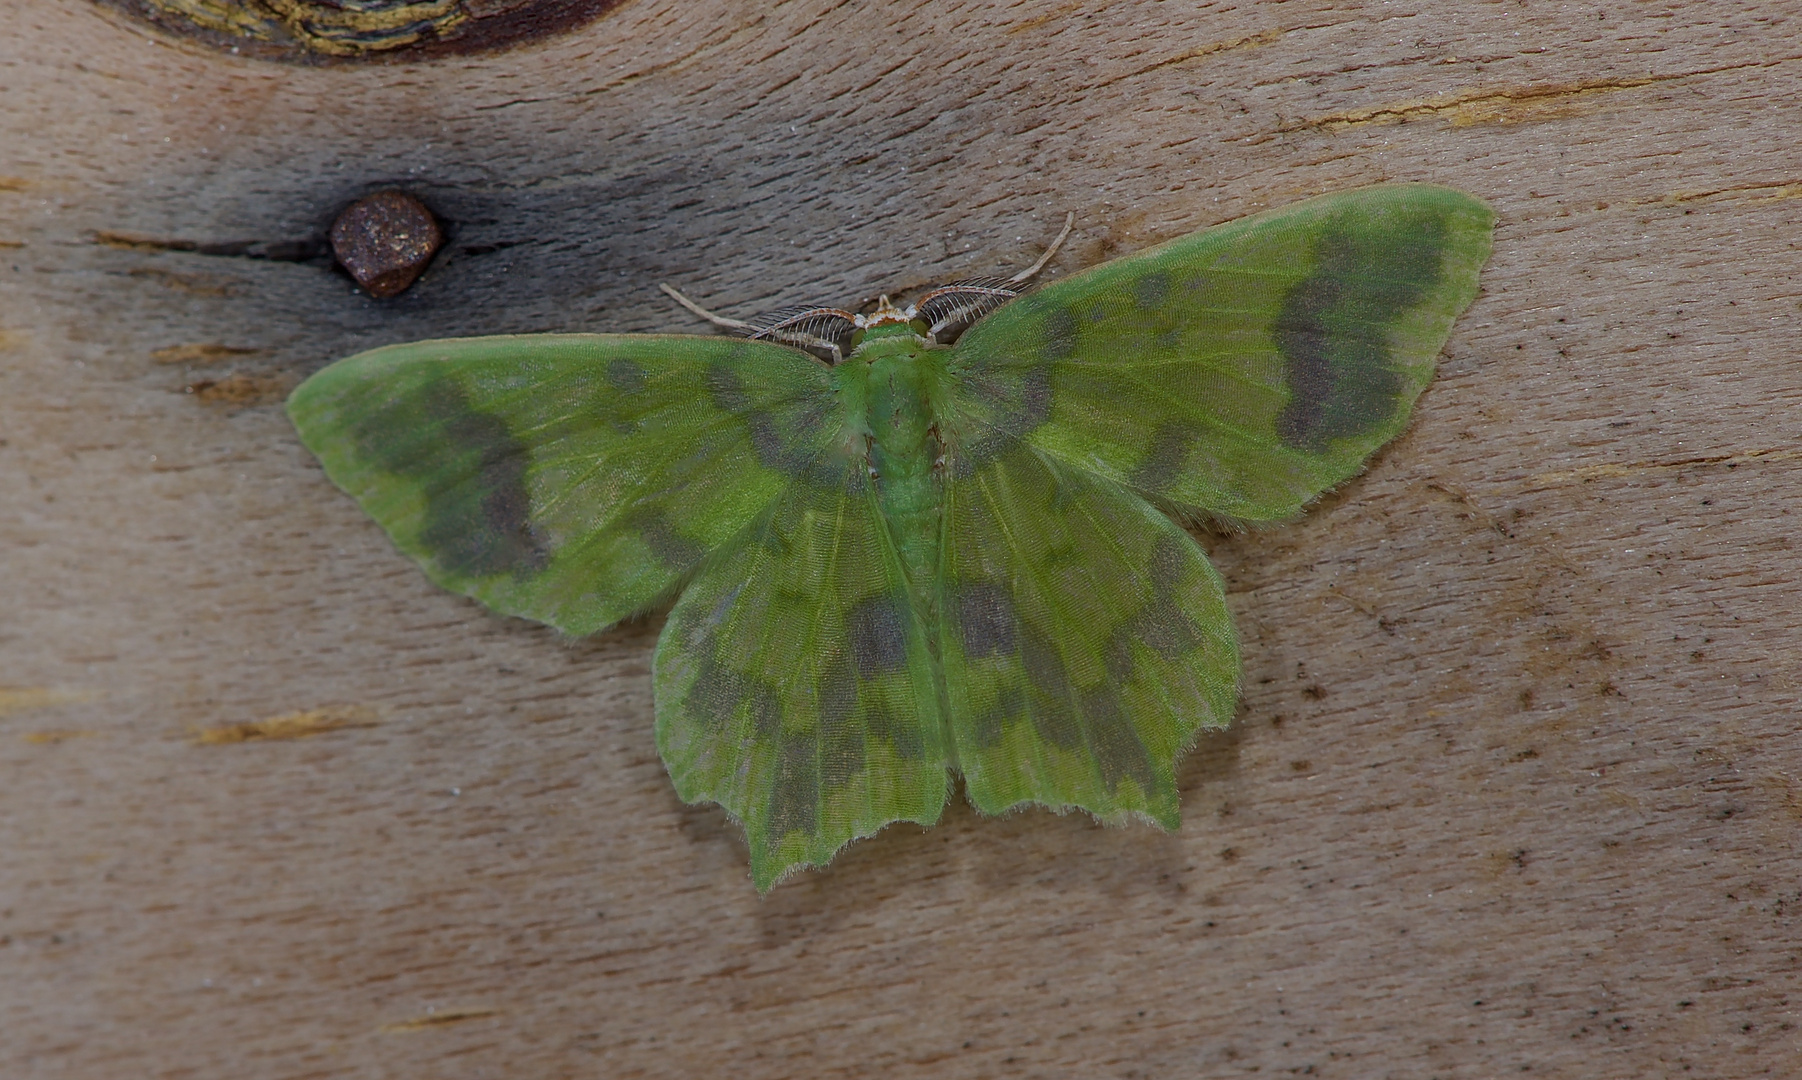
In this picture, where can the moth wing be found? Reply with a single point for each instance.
(1244, 369)
(1084, 637)
(795, 685)
(572, 479)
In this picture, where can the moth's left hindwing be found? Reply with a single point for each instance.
(573, 479)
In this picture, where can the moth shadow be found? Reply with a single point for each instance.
(1040, 853)
(904, 863)
(1028, 852)
(1042, 850)
(1213, 760)
(629, 643)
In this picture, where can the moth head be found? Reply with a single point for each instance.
(887, 321)
(886, 314)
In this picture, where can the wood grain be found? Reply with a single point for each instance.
(1515, 787)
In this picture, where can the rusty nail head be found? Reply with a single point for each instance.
(385, 240)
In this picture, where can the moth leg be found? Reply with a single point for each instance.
(1030, 272)
(717, 320)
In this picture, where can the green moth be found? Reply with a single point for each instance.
(894, 559)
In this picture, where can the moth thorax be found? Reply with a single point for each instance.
(890, 339)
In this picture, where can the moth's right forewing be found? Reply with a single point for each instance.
(573, 479)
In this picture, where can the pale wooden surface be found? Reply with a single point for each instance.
(1515, 787)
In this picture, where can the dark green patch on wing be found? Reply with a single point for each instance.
(573, 479)
(1333, 329)
(795, 686)
(481, 527)
(1085, 639)
(1244, 369)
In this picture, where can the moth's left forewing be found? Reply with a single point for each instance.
(574, 479)
(1242, 370)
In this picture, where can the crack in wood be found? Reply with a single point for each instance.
(1508, 104)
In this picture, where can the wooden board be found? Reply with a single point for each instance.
(1515, 785)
